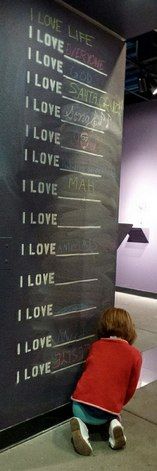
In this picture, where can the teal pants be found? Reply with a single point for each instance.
(91, 415)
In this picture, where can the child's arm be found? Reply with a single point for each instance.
(134, 377)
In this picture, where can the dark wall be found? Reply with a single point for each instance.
(137, 262)
(61, 128)
(128, 18)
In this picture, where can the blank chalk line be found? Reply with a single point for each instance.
(78, 227)
(81, 126)
(81, 173)
(88, 280)
(85, 65)
(79, 199)
(84, 84)
(75, 311)
(81, 151)
(70, 366)
(77, 254)
(73, 341)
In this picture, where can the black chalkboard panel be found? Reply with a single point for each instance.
(60, 137)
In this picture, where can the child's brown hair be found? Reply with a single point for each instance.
(117, 322)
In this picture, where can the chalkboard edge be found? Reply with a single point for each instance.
(91, 20)
(30, 429)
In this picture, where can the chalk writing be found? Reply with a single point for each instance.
(84, 139)
(81, 184)
(50, 41)
(46, 108)
(43, 158)
(48, 84)
(41, 188)
(67, 357)
(84, 94)
(64, 358)
(36, 370)
(85, 245)
(46, 135)
(81, 75)
(80, 54)
(80, 36)
(47, 248)
(36, 312)
(93, 119)
(91, 97)
(76, 245)
(49, 61)
(50, 21)
(36, 280)
(35, 344)
(48, 219)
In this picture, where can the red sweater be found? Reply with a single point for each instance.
(110, 376)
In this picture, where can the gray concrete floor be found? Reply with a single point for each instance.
(52, 450)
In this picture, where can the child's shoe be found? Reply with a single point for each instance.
(80, 437)
(117, 439)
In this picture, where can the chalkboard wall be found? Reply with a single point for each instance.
(60, 139)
